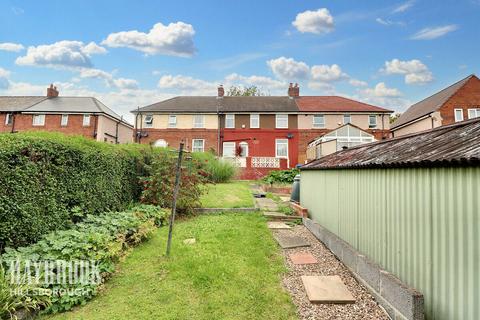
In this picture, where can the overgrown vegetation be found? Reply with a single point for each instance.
(281, 176)
(103, 238)
(217, 170)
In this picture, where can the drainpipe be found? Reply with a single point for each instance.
(116, 131)
(13, 123)
(95, 127)
(383, 126)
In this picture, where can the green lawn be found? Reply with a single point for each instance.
(233, 271)
(228, 195)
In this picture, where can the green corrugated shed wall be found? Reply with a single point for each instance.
(421, 224)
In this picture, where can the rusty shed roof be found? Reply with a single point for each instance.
(453, 145)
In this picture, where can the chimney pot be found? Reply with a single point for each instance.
(293, 91)
(52, 91)
(221, 91)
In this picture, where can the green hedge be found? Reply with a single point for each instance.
(50, 180)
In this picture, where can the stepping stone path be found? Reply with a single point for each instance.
(277, 225)
(189, 241)
(288, 242)
(303, 258)
(266, 204)
(326, 289)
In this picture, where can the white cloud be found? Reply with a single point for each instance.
(404, 6)
(264, 83)
(175, 39)
(325, 73)
(431, 33)
(357, 83)
(322, 88)
(187, 85)
(62, 54)
(289, 69)
(414, 70)
(12, 47)
(387, 22)
(318, 22)
(4, 74)
(110, 80)
(382, 91)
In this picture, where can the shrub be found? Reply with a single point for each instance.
(218, 170)
(101, 238)
(281, 176)
(51, 180)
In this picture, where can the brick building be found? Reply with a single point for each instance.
(456, 103)
(84, 116)
(259, 133)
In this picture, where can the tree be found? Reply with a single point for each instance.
(394, 117)
(238, 91)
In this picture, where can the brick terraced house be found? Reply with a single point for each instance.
(458, 102)
(84, 116)
(259, 133)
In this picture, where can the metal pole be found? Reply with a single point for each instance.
(175, 193)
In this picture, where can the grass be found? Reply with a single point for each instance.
(233, 271)
(228, 195)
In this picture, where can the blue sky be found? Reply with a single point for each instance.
(130, 53)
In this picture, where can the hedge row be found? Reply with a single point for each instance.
(50, 180)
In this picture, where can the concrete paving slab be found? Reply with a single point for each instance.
(285, 198)
(326, 289)
(303, 258)
(277, 225)
(266, 204)
(189, 241)
(288, 242)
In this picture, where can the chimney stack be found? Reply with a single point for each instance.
(52, 91)
(221, 91)
(294, 90)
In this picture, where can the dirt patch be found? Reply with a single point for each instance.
(365, 307)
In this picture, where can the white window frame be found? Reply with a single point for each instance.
(198, 124)
(172, 124)
(148, 121)
(455, 112)
(244, 146)
(230, 145)
(317, 124)
(349, 118)
(86, 122)
(279, 142)
(475, 111)
(281, 117)
(8, 119)
(229, 121)
(64, 120)
(370, 124)
(254, 117)
(193, 145)
(38, 123)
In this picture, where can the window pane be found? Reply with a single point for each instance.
(230, 121)
(197, 145)
(172, 121)
(229, 149)
(64, 120)
(281, 148)
(281, 120)
(372, 121)
(254, 121)
(86, 119)
(458, 115)
(318, 121)
(8, 119)
(198, 121)
(346, 118)
(39, 120)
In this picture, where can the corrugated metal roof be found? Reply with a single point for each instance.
(335, 103)
(430, 104)
(457, 144)
(18, 103)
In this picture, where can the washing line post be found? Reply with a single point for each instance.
(175, 194)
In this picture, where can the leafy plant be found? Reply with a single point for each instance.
(281, 176)
(217, 170)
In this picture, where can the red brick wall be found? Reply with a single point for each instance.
(174, 136)
(468, 97)
(23, 122)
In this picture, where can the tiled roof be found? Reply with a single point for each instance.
(430, 104)
(335, 103)
(451, 145)
(15, 104)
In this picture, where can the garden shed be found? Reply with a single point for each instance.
(404, 215)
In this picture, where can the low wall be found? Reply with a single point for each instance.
(398, 300)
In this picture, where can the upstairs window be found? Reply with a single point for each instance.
(230, 121)
(254, 120)
(318, 121)
(8, 119)
(38, 120)
(86, 120)
(281, 121)
(148, 121)
(347, 118)
(198, 145)
(172, 121)
(64, 120)
(458, 115)
(473, 113)
(372, 121)
(198, 121)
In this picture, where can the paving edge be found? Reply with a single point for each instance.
(206, 210)
(398, 299)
